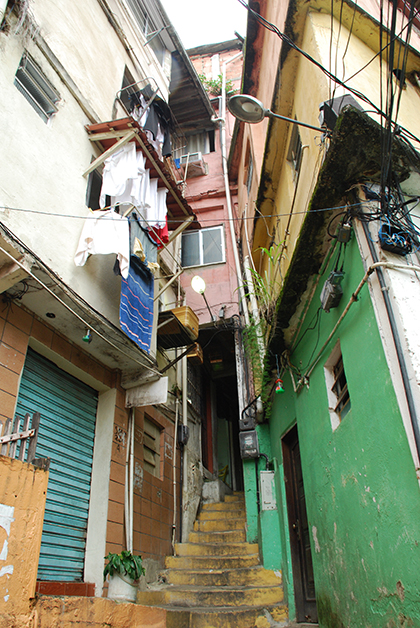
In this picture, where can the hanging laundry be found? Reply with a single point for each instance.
(118, 169)
(137, 232)
(136, 305)
(160, 235)
(131, 195)
(161, 209)
(105, 233)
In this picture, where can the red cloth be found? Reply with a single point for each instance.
(160, 235)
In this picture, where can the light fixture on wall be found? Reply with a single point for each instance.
(199, 285)
(87, 337)
(250, 109)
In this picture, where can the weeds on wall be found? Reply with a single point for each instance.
(266, 288)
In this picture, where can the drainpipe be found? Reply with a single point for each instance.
(254, 306)
(395, 334)
(240, 370)
(222, 121)
(184, 461)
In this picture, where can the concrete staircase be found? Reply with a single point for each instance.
(216, 580)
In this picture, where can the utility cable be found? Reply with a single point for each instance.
(285, 38)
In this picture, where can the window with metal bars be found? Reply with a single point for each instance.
(337, 389)
(340, 390)
(36, 88)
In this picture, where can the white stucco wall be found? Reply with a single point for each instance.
(42, 164)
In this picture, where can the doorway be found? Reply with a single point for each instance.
(303, 575)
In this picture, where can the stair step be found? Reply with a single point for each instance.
(236, 497)
(220, 525)
(211, 562)
(223, 577)
(230, 536)
(211, 596)
(216, 549)
(223, 617)
(217, 513)
(224, 506)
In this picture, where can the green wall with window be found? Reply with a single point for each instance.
(362, 495)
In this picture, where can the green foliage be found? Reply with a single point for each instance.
(125, 564)
(214, 86)
(267, 288)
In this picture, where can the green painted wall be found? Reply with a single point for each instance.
(362, 495)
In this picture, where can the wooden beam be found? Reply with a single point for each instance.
(174, 277)
(108, 135)
(100, 160)
(180, 229)
(160, 173)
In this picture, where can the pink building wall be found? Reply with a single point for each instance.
(206, 195)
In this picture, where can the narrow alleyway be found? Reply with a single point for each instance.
(216, 579)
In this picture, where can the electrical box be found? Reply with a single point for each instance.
(247, 420)
(332, 291)
(329, 110)
(248, 444)
(183, 434)
(267, 491)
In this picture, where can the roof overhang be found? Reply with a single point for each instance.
(72, 315)
(353, 157)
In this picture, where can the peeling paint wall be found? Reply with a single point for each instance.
(361, 490)
(23, 490)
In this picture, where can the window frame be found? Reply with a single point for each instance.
(30, 80)
(339, 402)
(200, 232)
(295, 152)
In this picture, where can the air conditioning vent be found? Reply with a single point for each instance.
(194, 165)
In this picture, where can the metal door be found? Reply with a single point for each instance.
(303, 575)
(66, 434)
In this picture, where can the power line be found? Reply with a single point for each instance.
(285, 38)
(212, 220)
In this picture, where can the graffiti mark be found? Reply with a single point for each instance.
(120, 436)
(138, 477)
(315, 538)
(6, 520)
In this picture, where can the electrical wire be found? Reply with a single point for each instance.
(202, 220)
(285, 38)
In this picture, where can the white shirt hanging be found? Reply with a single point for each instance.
(104, 234)
(118, 169)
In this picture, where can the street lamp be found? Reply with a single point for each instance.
(199, 285)
(249, 109)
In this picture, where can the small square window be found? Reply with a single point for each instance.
(295, 149)
(36, 88)
(203, 247)
(337, 389)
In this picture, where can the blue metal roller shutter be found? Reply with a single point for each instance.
(66, 434)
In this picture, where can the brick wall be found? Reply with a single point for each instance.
(17, 326)
(153, 496)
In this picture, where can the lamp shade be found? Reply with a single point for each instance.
(247, 108)
(198, 284)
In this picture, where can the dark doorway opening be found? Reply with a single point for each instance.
(303, 575)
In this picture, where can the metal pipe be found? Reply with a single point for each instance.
(227, 189)
(395, 334)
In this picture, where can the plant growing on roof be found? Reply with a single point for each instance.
(125, 564)
(214, 86)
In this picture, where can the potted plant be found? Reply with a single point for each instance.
(124, 571)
